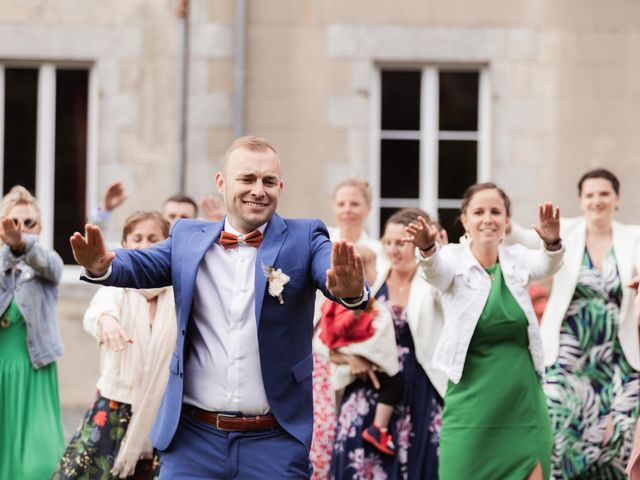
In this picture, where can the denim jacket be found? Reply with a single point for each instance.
(32, 279)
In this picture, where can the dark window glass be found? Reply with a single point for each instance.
(457, 167)
(401, 100)
(20, 123)
(449, 220)
(459, 100)
(400, 169)
(385, 213)
(71, 157)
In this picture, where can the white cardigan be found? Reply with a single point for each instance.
(426, 320)
(626, 246)
(465, 287)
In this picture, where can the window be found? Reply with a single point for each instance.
(44, 130)
(430, 140)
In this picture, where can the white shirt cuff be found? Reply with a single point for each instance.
(363, 298)
(85, 273)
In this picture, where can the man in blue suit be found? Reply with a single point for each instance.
(238, 403)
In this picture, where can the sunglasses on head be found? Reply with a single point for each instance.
(27, 222)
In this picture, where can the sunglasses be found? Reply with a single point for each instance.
(27, 222)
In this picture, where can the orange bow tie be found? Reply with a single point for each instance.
(229, 240)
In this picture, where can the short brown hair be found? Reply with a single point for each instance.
(407, 216)
(479, 187)
(141, 216)
(361, 185)
(600, 173)
(19, 195)
(183, 199)
(251, 143)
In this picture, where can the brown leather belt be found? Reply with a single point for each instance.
(232, 423)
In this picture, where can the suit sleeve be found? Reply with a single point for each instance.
(146, 268)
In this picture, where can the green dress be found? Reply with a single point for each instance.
(31, 438)
(495, 423)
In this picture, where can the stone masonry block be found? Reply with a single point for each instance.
(211, 41)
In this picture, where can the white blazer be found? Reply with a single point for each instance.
(626, 246)
(465, 287)
(426, 320)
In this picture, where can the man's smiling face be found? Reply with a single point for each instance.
(251, 183)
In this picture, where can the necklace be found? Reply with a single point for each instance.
(402, 287)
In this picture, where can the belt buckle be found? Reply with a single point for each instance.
(226, 415)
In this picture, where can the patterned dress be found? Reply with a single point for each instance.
(592, 382)
(94, 447)
(415, 423)
(324, 418)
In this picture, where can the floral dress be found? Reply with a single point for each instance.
(592, 383)
(324, 418)
(94, 447)
(415, 423)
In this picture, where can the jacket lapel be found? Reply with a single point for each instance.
(622, 248)
(198, 243)
(274, 236)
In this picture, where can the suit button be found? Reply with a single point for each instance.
(183, 332)
(180, 374)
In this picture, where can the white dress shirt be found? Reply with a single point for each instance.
(222, 369)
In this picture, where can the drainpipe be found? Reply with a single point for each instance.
(183, 91)
(240, 71)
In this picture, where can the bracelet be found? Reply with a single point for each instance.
(425, 250)
(551, 245)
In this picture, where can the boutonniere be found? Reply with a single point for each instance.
(277, 280)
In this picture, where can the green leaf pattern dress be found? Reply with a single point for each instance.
(592, 381)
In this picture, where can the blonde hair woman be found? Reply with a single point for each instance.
(31, 439)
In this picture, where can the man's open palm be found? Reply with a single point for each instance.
(345, 278)
(90, 251)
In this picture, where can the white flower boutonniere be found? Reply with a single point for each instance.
(277, 280)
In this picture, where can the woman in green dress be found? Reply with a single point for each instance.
(495, 423)
(31, 439)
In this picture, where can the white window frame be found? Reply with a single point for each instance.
(45, 142)
(429, 136)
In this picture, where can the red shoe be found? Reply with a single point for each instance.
(381, 440)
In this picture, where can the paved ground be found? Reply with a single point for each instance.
(78, 369)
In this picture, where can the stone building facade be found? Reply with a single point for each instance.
(421, 97)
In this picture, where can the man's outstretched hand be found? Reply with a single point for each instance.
(345, 278)
(90, 251)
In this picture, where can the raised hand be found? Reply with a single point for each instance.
(345, 278)
(112, 336)
(10, 234)
(421, 234)
(114, 196)
(90, 251)
(549, 227)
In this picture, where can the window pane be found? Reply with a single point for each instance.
(71, 157)
(401, 100)
(20, 123)
(457, 167)
(459, 101)
(385, 213)
(400, 169)
(449, 220)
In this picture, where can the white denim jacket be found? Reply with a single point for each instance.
(465, 287)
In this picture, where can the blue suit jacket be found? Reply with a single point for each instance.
(302, 249)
